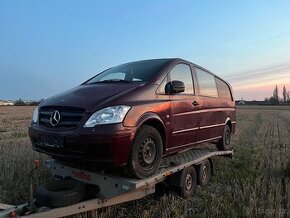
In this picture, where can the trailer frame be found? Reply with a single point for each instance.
(114, 189)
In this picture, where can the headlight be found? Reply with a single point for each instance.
(108, 115)
(35, 116)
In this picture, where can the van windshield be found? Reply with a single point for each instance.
(139, 71)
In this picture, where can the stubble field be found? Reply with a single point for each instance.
(254, 183)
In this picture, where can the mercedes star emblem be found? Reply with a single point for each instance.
(54, 118)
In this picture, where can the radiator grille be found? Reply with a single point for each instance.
(69, 116)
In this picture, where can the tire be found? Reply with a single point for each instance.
(187, 179)
(204, 173)
(224, 143)
(146, 154)
(60, 193)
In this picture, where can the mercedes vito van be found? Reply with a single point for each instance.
(134, 114)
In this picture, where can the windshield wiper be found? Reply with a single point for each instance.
(112, 81)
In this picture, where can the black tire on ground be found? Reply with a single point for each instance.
(204, 173)
(146, 153)
(224, 143)
(60, 193)
(187, 180)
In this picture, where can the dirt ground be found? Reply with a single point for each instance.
(254, 183)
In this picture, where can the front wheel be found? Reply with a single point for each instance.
(146, 153)
(224, 143)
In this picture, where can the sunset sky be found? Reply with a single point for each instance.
(50, 46)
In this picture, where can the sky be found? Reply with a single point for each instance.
(47, 47)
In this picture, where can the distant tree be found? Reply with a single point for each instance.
(34, 103)
(276, 93)
(284, 94)
(273, 100)
(19, 102)
(288, 97)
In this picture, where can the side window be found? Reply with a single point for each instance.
(207, 83)
(182, 73)
(224, 90)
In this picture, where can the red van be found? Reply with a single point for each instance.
(134, 114)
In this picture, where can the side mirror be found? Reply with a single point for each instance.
(174, 86)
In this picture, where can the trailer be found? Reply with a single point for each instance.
(183, 171)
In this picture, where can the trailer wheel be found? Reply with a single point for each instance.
(224, 143)
(184, 181)
(60, 193)
(146, 153)
(204, 173)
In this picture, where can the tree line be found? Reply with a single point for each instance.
(275, 99)
(20, 102)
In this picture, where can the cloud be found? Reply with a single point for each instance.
(264, 71)
(270, 75)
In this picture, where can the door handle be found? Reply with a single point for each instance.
(195, 103)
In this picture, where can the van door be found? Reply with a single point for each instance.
(212, 120)
(184, 116)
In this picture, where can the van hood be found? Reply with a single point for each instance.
(90, 96)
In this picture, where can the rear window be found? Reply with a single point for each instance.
(224, 90)
(206, 83)
(139, 71)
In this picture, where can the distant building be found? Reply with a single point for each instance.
(241, 102)
(20, 102)
(6, 103)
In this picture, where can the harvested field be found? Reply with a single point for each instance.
(254, 183)
(16, 155)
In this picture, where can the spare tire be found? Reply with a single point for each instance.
(60, 193)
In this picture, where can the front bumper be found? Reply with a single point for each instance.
(102, 146)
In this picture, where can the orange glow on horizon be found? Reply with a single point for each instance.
(258, 92)
(259, 84)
